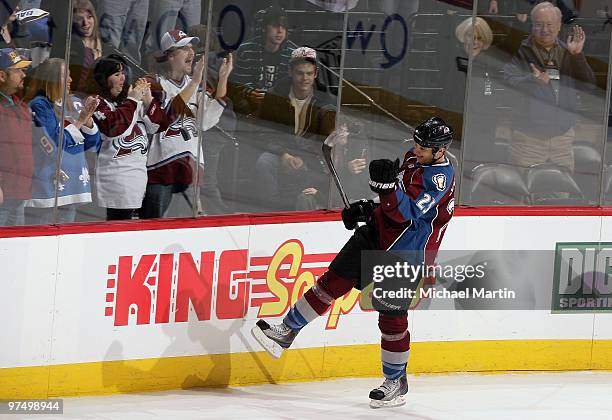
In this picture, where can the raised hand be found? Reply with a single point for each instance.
(139, 89)
(226, 67)
(147, 98)
(91, 104)
(575, 40)
(542, 76)
(134, 94)
(198, 70)
(224, 71)
(356, 166)
(382, 175)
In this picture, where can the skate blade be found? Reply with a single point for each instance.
(270, 346)
(395, 402)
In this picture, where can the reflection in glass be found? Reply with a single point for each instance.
(522, 87)
(284, 101)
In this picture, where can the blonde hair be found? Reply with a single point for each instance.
(483, 30)
(88, 7)
(47, 80)
(545, 5)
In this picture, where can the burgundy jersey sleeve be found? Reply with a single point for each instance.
(117, 121)
(158, 117)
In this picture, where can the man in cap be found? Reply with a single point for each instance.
(16, 161)
(172, 161)
(295, 118)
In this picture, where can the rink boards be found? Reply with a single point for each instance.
(114, 309)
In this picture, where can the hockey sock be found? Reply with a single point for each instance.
(395, 344)
(317, 300)
(393, 370)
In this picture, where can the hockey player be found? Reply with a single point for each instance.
(416, 204)
(172, 161)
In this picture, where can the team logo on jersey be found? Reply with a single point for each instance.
(127, 145)
(185, 127)
(439, 181)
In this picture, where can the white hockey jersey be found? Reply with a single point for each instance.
(121, 173)
(180, 139)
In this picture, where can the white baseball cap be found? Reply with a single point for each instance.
(304, 54)
(176, 39)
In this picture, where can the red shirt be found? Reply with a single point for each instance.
(16, 160)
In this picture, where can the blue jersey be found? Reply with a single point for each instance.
(414, 217)
(73, 183)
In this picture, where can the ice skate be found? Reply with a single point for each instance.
(273, 338)
(390, 394)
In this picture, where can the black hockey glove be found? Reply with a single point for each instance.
(382, 175)
(359, 211)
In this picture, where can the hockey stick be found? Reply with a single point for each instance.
(327, 150)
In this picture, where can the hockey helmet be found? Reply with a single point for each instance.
(433, 133)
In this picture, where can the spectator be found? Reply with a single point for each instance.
(123, 24)
(7, 8)
(546, 75)
(261, 62)
(86, 46)
(172, 161)
(125, 114)
(45, 92)
(351, 159)
(290, 171)
(480, 116)
(165, 15)
(7, 29)
(474, 36)
(16, 162)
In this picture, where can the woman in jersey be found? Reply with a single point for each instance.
(45, 95)
(125, 115)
